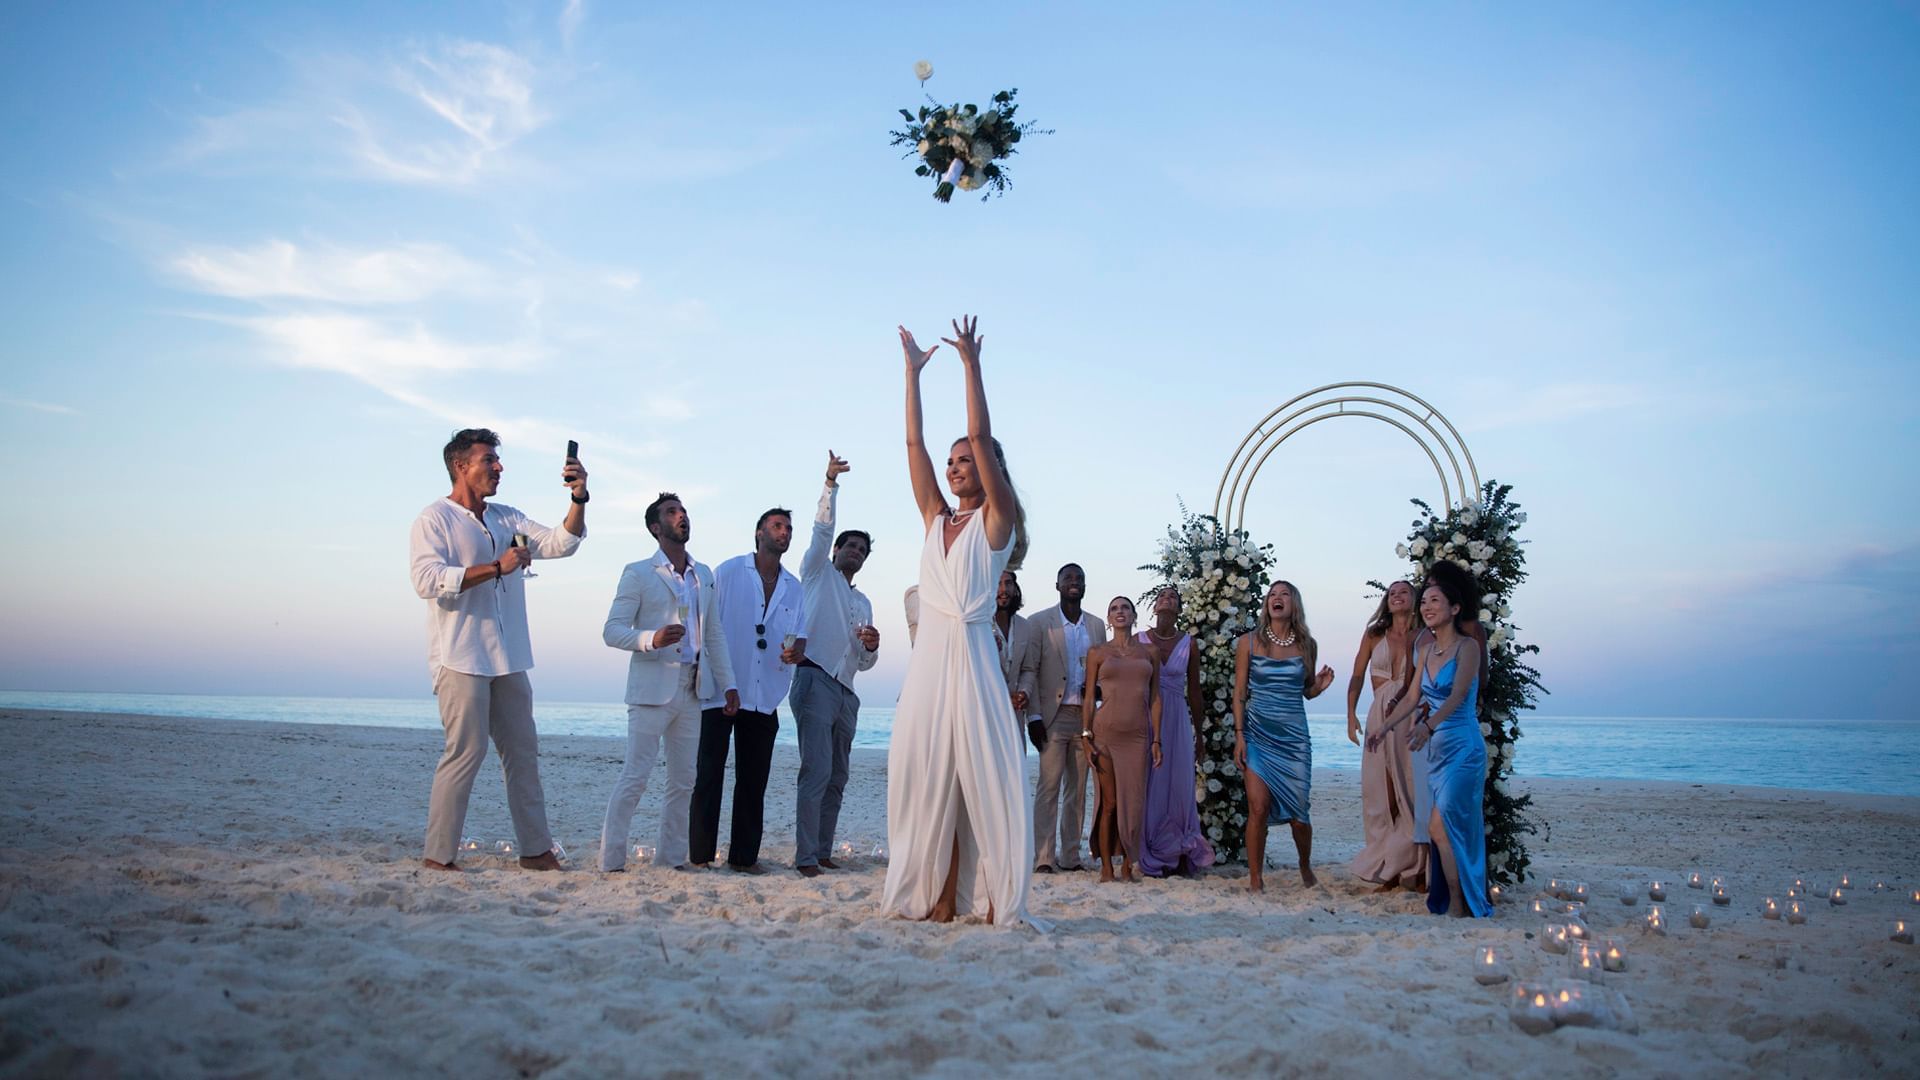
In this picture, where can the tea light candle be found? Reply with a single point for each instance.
(1540, 908)
(1656, 922)
(1795, 892)
(504, 849)
(1496, 894)
(1568, 1001)
(642, 854)
(1613, 957)
(1556, 888)
(1799, 883)
(1574, 908)
(1694, 882)
(1902, 933)
(1846, 881)
(469, 846)
(1488, 966)
(1656, 890)
(1577, 931)
(1699, 919)
(1554, 938)
(1584, 961)
(1770, 909)
(1629, 893)
(1838, 897)
(1881, 886)
(1796, 912)
(1580, 891)
(1720, 896)
(1531, 1012)
(1915, 896)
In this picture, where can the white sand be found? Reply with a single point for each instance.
(196, 896)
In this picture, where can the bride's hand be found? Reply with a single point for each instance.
(966, 341)
(915, 358)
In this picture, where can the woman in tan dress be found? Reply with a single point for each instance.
(1123, 739)
(1390, 856)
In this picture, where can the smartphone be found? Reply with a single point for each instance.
(573, 450)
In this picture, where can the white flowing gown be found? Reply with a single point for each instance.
(955, 769)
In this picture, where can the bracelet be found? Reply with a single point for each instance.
(582, 499)
(1087, 734)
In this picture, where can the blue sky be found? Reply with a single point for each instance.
(1656, 263)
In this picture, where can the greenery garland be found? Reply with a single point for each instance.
(1482, 540)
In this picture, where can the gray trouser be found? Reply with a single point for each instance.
(1061, 795)
(825, 714)
(473, 707)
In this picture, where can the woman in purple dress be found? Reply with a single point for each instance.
(1173, 841)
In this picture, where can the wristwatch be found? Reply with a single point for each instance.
(1086, 733)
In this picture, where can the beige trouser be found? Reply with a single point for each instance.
(1061, 795)
(473, 707)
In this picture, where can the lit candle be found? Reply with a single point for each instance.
(504, 849)
(1795, 891)
(1694, 882)
(1573, 907)
(1554, 938)
(1846, 881)
(1799, 883)
(1720, 896)
(1540, 908)
(1915, 897)
(1796, 912)
(1838, 897)
(1769, 909)
(1614, 957)
(1496, 894)
(1656, 921)
(1556, 888)
(1584, 962)
(1699, 919)
(1881, 886)
(1902, 933)
(1488, 967)
(1629, 893)
(1580, 891)
(1531, 1012)
(1656, 890)
(1569, 1003)
(1577, 931)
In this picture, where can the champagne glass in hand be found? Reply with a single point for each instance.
(526, 550)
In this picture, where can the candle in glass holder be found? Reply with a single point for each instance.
(643, 854)
(1694, 881)
(1554, 938)
(1769, 908)
(1795, 892)
(1584, 962)
(1796, 912)
(1569, 1003)
(1699, 917)
(1577, 931)
(1495, 893)
(469, 846)
(1629, 893)
(504, 849)
(1720, 896)
(1579, 893)
(1881, 886)
(1574, 908)
(1902, 933)
(1800, 883)
(1540, 907)
(1530, 1011)
(1914, 896)
(1838, 897)
(1656, 921)
(1613, 957)
(1846, 881)
(1556, 888)
(1656, 890)
(1488, 966)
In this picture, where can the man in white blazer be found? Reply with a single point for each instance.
(666, 612)
(1064, 633)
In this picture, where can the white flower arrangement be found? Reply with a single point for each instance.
(962, 146)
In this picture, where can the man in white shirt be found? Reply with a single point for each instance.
(1065, 633)
(666, 612)
(467, 555)
(839, 640)
(760, 605)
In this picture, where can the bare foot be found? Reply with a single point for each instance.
(941, 913)
(1256, 883)
(546, 860)
(432, 865)
(1106, 874)
(1126, 871)
(1418, 884)
(1307, 878)
(1388, 887)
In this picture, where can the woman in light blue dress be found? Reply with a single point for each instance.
(1271, 745)
(1446, 738)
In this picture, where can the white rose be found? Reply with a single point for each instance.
(1244, 562)
(1419, 546)
(1486, 729)
(1400, 550)
(1217, 574)
(1505, 611)
(1463, 564)
(1486, 616)
(1469, 516)
(1478, 568)
(924, 147)
(922, 70)
(981, 152)
(970, 181)
(1459, 539)
(1490, 598)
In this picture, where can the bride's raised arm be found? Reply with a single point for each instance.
(926, 483)
(1002, 510)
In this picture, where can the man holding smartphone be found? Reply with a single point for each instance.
(467, 569)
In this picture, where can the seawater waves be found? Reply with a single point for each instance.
(1867, 756)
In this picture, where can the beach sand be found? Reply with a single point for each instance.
(181, 897)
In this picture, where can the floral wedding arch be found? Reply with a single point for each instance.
(1222, 575)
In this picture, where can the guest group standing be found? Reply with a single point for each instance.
(714, 652)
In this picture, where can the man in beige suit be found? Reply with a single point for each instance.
(1019, 651)
(1063, 633)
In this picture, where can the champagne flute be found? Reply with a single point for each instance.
(786, 643)
(520, 541)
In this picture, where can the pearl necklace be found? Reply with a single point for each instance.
(1277, 642)
(958, 516)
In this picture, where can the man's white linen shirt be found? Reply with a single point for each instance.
(763, 680)
(1076, 642)
(482, 631)
(834, 606)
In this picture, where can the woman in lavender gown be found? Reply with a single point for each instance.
(1173, 841)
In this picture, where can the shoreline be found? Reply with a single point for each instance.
(245, 898)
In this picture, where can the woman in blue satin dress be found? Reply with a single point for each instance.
(1446, 734)
(1271, 745)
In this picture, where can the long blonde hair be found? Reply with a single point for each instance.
(1020, 542)
(1309, 648)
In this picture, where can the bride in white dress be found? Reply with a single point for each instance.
(959, 824)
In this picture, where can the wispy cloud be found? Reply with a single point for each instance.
(378, 352)
(279, 269)
(40, 406)
(571, 16)
(483, 92)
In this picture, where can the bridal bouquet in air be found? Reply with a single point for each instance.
(962, 146)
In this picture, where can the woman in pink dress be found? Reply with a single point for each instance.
(1390, 856)
(1173, 840)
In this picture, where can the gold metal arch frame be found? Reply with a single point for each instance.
(1389, 404)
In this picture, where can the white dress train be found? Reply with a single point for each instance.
(955, 767)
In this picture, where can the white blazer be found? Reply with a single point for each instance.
(642, 606)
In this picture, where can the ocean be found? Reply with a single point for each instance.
(1869, 756)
